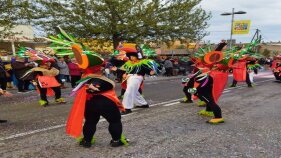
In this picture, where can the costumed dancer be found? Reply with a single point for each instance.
(136, 68)
(276, 67)
(46, 82)
(245, 64)
(241, 74)
(43, 77)
(198, 67)
(209, 85)
(95, 97)
(118, 60)
(205, 92)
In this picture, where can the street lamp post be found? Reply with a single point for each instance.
(232, 20)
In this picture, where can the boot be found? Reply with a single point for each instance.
(185, 100)
(206, 113)
(201, 103)
(43, 103)
(122, 141)
(127, 111)
(143, 106)
(60, 101)
(86, 144)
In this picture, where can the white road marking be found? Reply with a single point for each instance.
(63, 125)
(226, 91)
(171, 104)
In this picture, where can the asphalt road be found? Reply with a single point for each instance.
(167, 129)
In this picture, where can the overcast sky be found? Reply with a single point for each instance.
(264, 15)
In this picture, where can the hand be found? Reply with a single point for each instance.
(114, 68)
(34, 83)
(192, 90)
(152, 73)
(94, 88)
(31, 65)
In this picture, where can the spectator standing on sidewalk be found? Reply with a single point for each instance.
(64, 71)
(74, 71)
(20, 67)
(168, 65)
(3, 77)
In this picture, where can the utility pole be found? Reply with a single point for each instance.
(257, 33)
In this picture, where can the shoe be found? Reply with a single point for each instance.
(206, 113)
(85, 143)
(3, 121)
(127, 111)
(201, 103)
(122, 141)
(116, 143)
(60, 101)
(43, 102)
(143, 106)
(216, 121)
(233, 85)
(250, 86)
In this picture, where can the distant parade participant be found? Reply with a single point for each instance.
(95, 97)
(136, 68)
(244, 63)
(276, 67)
(46, 82)
(243, 70)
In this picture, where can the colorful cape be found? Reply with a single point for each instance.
(74, 123)
(220, 81)
(239, 71)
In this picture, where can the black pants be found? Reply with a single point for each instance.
(187, 95)
(74, 79)
(207, 96)
(190, 84)
(3, 83)
(234, 82)
(101, 106)
(23, 84)
(43, 93)
(119, 74)
(276, 75)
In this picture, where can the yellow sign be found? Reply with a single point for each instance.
(241, 27)
(191, 45)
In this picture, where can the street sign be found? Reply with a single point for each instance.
(241, 27)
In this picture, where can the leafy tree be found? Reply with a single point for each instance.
(131, 20)
(11, 13)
